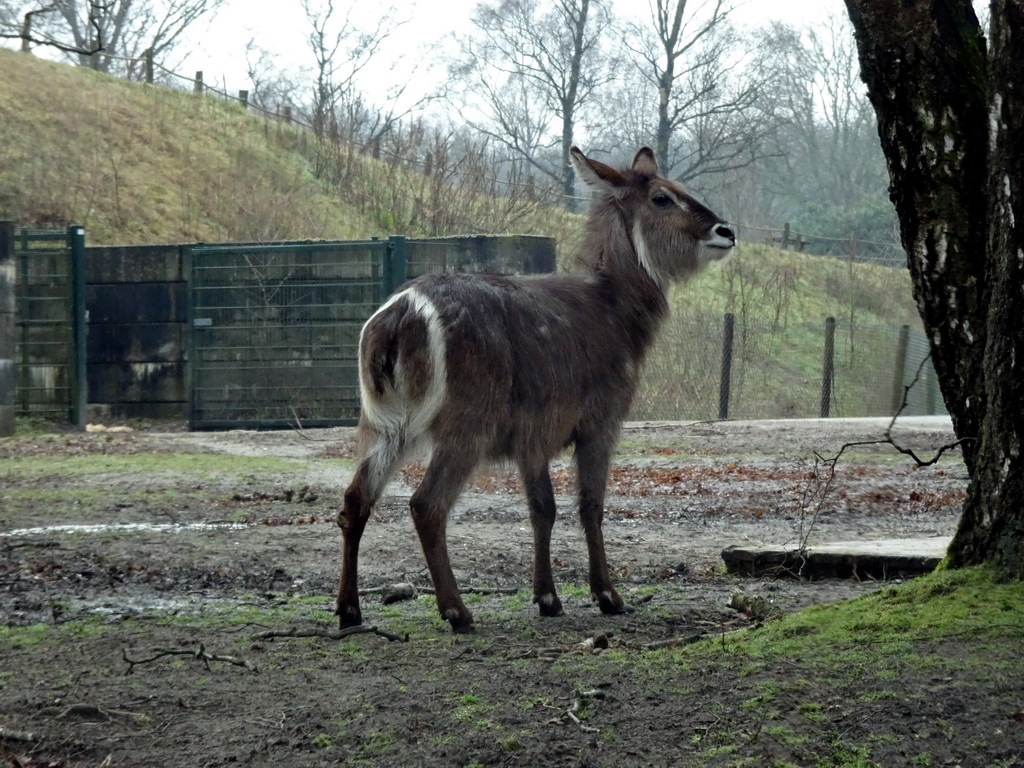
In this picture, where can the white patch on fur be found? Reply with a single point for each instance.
(671, 194)
(548, 599)
(643, 256)
(401, 421)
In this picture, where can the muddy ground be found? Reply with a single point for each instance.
(134, 588)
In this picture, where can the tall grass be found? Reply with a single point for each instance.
(780, 300)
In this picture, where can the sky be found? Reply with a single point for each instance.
(281, 26)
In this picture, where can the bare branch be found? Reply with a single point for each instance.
(200, 654)
(331, 634)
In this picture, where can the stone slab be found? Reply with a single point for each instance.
(880, 559)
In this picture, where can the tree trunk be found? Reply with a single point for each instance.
(956, 182)
(992, 527)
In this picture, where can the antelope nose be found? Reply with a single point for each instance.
(727, 231)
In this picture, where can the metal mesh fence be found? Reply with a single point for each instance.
(275, 331)
(778, 371)
(50, 321)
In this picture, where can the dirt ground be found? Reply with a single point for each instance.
(133, 607)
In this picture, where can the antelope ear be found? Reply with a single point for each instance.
(644, 162)
(595, 174)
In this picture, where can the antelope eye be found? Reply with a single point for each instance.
(661, 200)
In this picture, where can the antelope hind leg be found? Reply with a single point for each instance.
(361, 495)
(442, 483)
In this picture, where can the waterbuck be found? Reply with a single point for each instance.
(477, 367)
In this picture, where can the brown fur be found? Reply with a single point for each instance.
(531, 365)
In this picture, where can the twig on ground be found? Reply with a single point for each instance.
(200, 653)
(582, 696)
(301, 431)
(331, 634)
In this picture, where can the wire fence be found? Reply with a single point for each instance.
(707, 367)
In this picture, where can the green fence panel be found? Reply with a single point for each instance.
(274, 330)
(51, 326)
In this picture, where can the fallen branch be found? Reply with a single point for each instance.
(200, 654)
(331, 634)
(577, 703)
(430, 590)
(9, 734)
(90, 713)
(674, 642)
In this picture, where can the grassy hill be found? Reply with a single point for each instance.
(145, 164)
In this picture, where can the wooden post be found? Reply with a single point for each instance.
(8, 330)
(243, 96)
(286, 113)
(785, 236)
(198, 88)
(148, 56)
(828, 372)
(725, 380)
(900, 370)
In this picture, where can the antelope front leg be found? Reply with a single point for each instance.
(592, 462)
(541, 499)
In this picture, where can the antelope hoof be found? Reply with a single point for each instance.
(549, 604)
(348, 616)
(612, 605)
(462, 624)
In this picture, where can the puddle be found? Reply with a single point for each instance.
(124, 528)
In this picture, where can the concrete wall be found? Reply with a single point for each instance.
(136, 298)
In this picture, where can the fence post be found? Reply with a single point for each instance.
(901, 366)
(243, 96)
(828, 373)
(8, 370)
(148, 56)
(79, 320)
(394, 264)
(726, 377)
(785, 236)
(287, 113)
(198, 87)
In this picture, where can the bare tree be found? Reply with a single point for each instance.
(273, 88)
(108, 35)
(342, 50)
(687, 61)
(18, 22)
(826, 170)
(535, 67)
